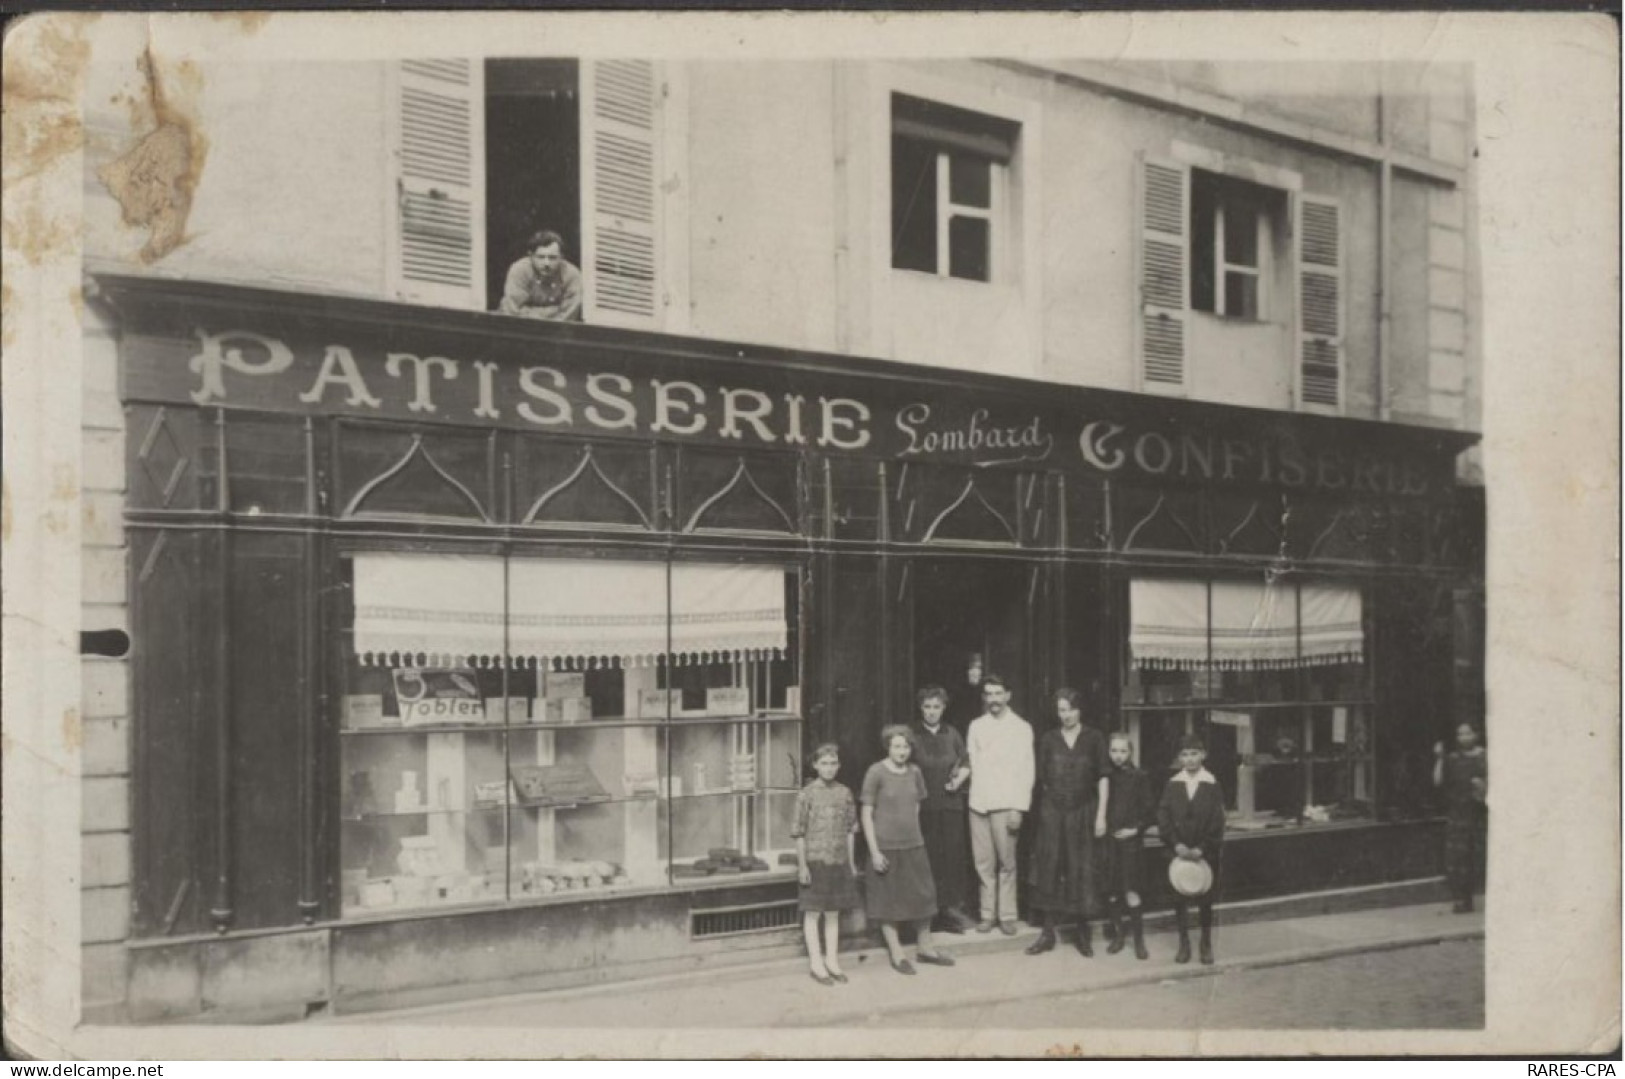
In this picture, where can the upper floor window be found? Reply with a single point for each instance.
(1255, 254)
(487, 154)
(950, 173)
(1234, 229)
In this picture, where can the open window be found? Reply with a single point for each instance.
(487, 153)
(949, 187)
(1236, 226)
(1240, 287)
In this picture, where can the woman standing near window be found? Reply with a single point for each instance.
(899, 887)
(1071, 802)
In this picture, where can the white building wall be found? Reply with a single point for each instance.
(781, 209)
(289, 188)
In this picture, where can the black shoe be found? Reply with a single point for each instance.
(1184, 953)
(1045, 942)
(1118, 932)
(1207, 950)
(1085, 945)
(1139, 936)
(902, 966)
(936, 959)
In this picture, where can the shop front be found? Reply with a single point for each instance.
(473, 654)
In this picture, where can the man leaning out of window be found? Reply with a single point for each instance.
(543, 284)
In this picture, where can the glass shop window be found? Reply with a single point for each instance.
(529, 729)
(950, 204)
(1274, 679)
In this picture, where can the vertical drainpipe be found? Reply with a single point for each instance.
(1385, 243)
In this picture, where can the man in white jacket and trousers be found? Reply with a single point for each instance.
(1000, 747)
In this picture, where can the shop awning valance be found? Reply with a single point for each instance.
(1247, 626)
(441, 610)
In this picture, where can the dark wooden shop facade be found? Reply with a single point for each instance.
(921, 515)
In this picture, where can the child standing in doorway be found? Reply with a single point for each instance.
(825, 828)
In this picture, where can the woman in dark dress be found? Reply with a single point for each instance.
(1190, 820)
(1070, 798)
(939, 750)
(1464, 775)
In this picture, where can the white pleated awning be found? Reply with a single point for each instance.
(1251, 625)
(564, 613)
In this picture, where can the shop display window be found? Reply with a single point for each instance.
(1275, 681)
(517, 729)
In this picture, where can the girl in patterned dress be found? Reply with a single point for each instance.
(825, 827)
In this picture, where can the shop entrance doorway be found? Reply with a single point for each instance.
(973, 611)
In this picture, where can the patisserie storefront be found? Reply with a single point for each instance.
(472, 654)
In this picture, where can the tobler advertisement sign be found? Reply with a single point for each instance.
(251, 349)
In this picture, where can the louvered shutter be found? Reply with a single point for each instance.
(1320, 303)
(1164, 273)
(437, 253)
(620, 162)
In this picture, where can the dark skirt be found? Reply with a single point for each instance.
(947, 845)
(1123, 869)
(1464, 854)
(904, 892)
(1065, 877)
(833, 887)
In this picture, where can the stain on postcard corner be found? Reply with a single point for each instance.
(155, 180)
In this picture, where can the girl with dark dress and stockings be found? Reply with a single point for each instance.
(1464, 775)
(939, 750)
(1190, 819)
(1130, 810)
(1070, 797)
(899, 887)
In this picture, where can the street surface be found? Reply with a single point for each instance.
(1433, 986)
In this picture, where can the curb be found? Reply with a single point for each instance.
(1129, 976)
(1159, 975)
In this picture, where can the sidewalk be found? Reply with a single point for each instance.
(991, 968)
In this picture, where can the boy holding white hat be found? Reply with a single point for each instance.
(1190, 820)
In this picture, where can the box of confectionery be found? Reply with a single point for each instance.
(514, 709)
(727, 701)
(575, 709)
(659, 703)
(562, 685)
(364, 711)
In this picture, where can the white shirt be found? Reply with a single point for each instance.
(1001, 763)
(1191, 782)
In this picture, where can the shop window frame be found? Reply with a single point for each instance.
(1197, 709)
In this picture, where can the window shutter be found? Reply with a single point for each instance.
(1164, 273)
(620, 165)
(1320, 303)
(437, 247)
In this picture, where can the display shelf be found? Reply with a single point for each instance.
(447, 728)
(1273, 762)
(1213, 704)
(604, 723)
(389, 815)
